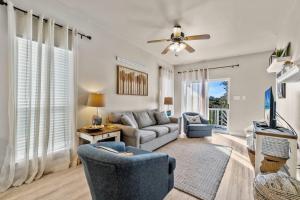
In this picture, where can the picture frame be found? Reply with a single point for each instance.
(281, 90)
(131, 81)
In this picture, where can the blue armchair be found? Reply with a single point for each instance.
(196, 130)
(143, 176)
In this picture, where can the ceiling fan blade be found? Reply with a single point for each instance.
(197, 37)
(189, 48)
(162, 40)
(165, 51)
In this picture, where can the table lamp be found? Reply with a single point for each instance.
(96, 100)
(168, 101)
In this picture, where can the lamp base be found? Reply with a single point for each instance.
(96, 120)
(169, 113)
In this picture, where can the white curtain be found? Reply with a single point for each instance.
(42, 93)
(166, 87)
(194, 94)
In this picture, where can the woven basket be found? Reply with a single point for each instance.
(276, 186)
(269, 163)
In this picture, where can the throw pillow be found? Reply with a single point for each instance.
(193, 119)
(143, 119)
(161, 118)
(125, 119)
(151, 115)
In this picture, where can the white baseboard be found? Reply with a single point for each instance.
(238, 133)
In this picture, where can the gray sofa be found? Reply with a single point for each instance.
(149, 137)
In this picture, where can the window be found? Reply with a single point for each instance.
(33, 93)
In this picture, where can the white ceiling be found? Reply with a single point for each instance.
(236, 26)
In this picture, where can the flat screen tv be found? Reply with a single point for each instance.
(270, 108)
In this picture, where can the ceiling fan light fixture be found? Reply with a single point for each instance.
(177, 47)
(177, 31)
(178, 40)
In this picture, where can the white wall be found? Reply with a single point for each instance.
(97, 72)
(249, 80)
(97, 64)
(289, 108)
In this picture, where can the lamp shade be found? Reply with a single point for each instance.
(168, 101)
(96, 100)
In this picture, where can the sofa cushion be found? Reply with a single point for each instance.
(161, 118)
(146, 136)
(193, 119)
(159, 130)
(151, 115)
(143, 119)
(172, 126)
(126, 120)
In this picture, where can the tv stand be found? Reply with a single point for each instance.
(261, 132)
(269, 128)
(263, 127)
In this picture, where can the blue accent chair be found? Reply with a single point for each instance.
(196, 130)
(143, 176)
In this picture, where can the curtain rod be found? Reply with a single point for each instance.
(222, 67)
(36, 16)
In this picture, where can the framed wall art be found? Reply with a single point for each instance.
(131, 82)
(281, 90)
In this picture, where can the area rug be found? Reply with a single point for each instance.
(199, 167)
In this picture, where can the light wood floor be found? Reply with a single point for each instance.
(71, 184)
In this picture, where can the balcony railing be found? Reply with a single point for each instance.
(219, 117)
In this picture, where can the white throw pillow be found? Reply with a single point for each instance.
(193, 119)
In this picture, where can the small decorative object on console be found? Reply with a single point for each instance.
(94, 128)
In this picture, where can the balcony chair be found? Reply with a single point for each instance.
(202, 129)
(141, 176)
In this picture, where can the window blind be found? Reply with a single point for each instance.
(32, 95)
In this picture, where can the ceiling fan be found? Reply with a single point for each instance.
(177, 38)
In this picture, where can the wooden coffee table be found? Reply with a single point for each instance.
(105, 133)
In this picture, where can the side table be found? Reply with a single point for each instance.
(103, 134)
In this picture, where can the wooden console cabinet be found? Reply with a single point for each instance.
(263, 132)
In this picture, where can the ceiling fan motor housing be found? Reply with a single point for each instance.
(177, 39)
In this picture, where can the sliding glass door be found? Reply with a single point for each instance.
(218, 94)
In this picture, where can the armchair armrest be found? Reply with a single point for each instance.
(204, 121)
(130, 135)
(128, 130)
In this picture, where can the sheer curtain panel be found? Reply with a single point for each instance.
(166, 86)
(42, 107)
(194, 91)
